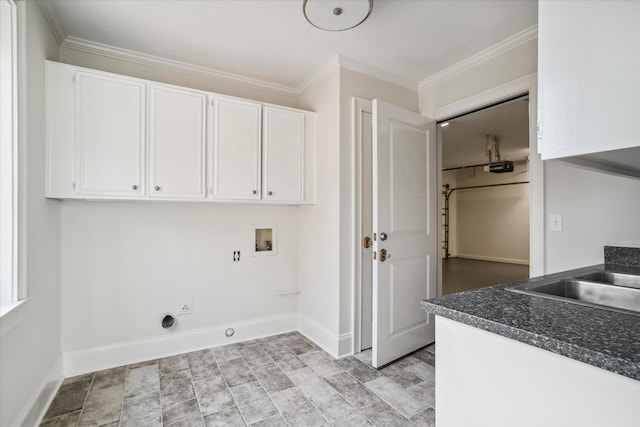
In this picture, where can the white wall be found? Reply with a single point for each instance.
(492, 224)
(510, 65)
(30, 339)
(318, 245)
(354, 84)
(597, 210)
(125, 264)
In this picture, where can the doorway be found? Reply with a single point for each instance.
(361, 260)
(485, 196)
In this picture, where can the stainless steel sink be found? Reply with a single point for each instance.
(619, 279)
(600, 289)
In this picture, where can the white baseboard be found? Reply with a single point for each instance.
(495, 259)
(36, 406)
(94, 359)
(345, 345)
(319, 334)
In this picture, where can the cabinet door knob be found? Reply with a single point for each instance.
(135, 187)
(157, 188)
(254, 192)
(270, 193)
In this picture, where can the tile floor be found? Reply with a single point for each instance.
(276, 381)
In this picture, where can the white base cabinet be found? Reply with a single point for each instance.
(484, 379)
(116, 137)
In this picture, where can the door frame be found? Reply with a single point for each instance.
(526, 84)
(358, 106)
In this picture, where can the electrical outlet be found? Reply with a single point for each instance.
(185, 307)
(555, 222)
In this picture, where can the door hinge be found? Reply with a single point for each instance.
(374, 255)
(375, 237)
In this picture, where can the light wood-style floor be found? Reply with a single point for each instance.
(459, 274)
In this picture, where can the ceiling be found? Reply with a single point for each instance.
(464, 139)
(270, 41)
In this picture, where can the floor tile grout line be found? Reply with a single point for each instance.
(226, 383)
(93, 377)
(379, 397)
(262, 385)
(193, 385)
(306, 366)
(124, 393)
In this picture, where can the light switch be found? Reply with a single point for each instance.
(555, 222)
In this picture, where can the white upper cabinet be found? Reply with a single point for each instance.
(117, 137)
(236, 149)
(283, 155)
(110, 131)
(589, 76)
(177, 143)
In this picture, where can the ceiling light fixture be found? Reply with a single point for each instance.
(336, 15)
(444, 124)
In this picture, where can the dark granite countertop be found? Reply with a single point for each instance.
(602, 338)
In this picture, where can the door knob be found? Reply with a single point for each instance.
(383, 236)
(253, 192)
(135, 187)
(366, 242)
(383, 255)
(157, 188)
(270, 193)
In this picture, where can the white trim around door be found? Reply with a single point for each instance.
(359, 106)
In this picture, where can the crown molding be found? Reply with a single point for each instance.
(507, 44)
(82, 45)
(371, 71)
(339, 61)
(327, 68)
(52, 18)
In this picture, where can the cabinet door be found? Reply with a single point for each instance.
(176, 143)
(283, 154)
(589, 66)
(236, 149)
(110, 135)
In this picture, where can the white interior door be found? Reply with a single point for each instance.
(404, 220)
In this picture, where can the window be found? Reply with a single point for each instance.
(8, 157)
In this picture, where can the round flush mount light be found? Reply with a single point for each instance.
(336, 15)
